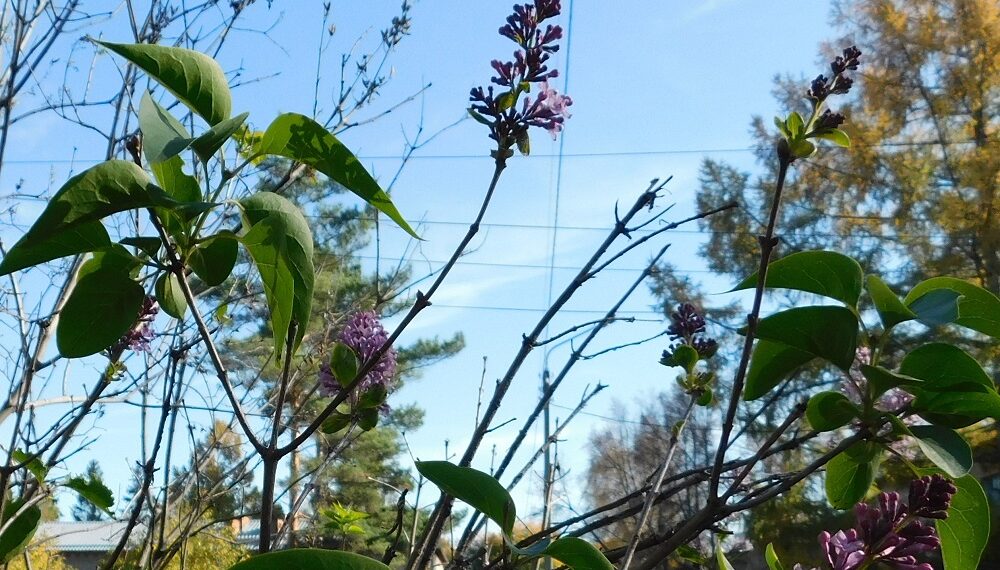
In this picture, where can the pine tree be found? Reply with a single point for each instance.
(84, 510)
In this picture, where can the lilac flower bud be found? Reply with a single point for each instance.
(364, 334)
(841, 85)
(849, 60)
(830, 120)
(141, 334)
(685, 322)
(931, 496)
(818, 89)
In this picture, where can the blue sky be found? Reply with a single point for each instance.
(657, 87)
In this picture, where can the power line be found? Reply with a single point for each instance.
(510, 265)
(625, 153)
(548, 227)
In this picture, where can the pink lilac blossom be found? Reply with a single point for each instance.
(890, 532)
(364, 334)
(141, 334)
(548, 110)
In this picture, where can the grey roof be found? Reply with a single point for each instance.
(78, 536)
(103, 536)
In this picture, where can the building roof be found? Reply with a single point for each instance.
(103, 536)
(82, 536)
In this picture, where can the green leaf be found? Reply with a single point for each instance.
(335, 423)
(945, 367)
(782, 128)
(978, 310)
(110, 187)
(33, 464)
(690, 553)
(300, 138)
(771, 557)
(683, 356)
(966, 531)
(343, 363)
(373, 397)
(170, 296)
(310, 559)
(368, 419)
(956, 391)
(828, 332)
(836, 136)
(163, 136)
(771, 363)
(828, 411)
(945, 447)
(936, 308)
(957, 409)
(150, 245)
(280, 242)
(850, 474)
(183, 188)
(213, 259)
(83, 238)
(720, 556)
(103, 307)
(802, 149)
(882, 380)
(825, 273)
(578, 554)
(194, 78)
(795, 124)
(93, 490)
(481, 491)
(16, 537)
(212, 140)
(891, 310)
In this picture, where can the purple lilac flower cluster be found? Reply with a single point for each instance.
(509, 123)
(141, 334)
(687, 325)
(364, 334)
(891, 533)
(839, 84)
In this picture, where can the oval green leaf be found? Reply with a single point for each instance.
(194, 78)
(882, 380)
(890, 308)
(828, 411)
(771, 557)
(966, 531)
(170, 296)
(936, 308)
(18, 534)
(163, 136)
(850, 474)
(110, 187)
(83, 238)
(93, 490)
(830, 333)
(101, 309)
(479, 490)
(302, 139)
(578, 554)
(310, 559)
(770, 364)
(213, 259)
(978, 309)
(212, 140)
(825, 273)
(280, 242)
(945, 448)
